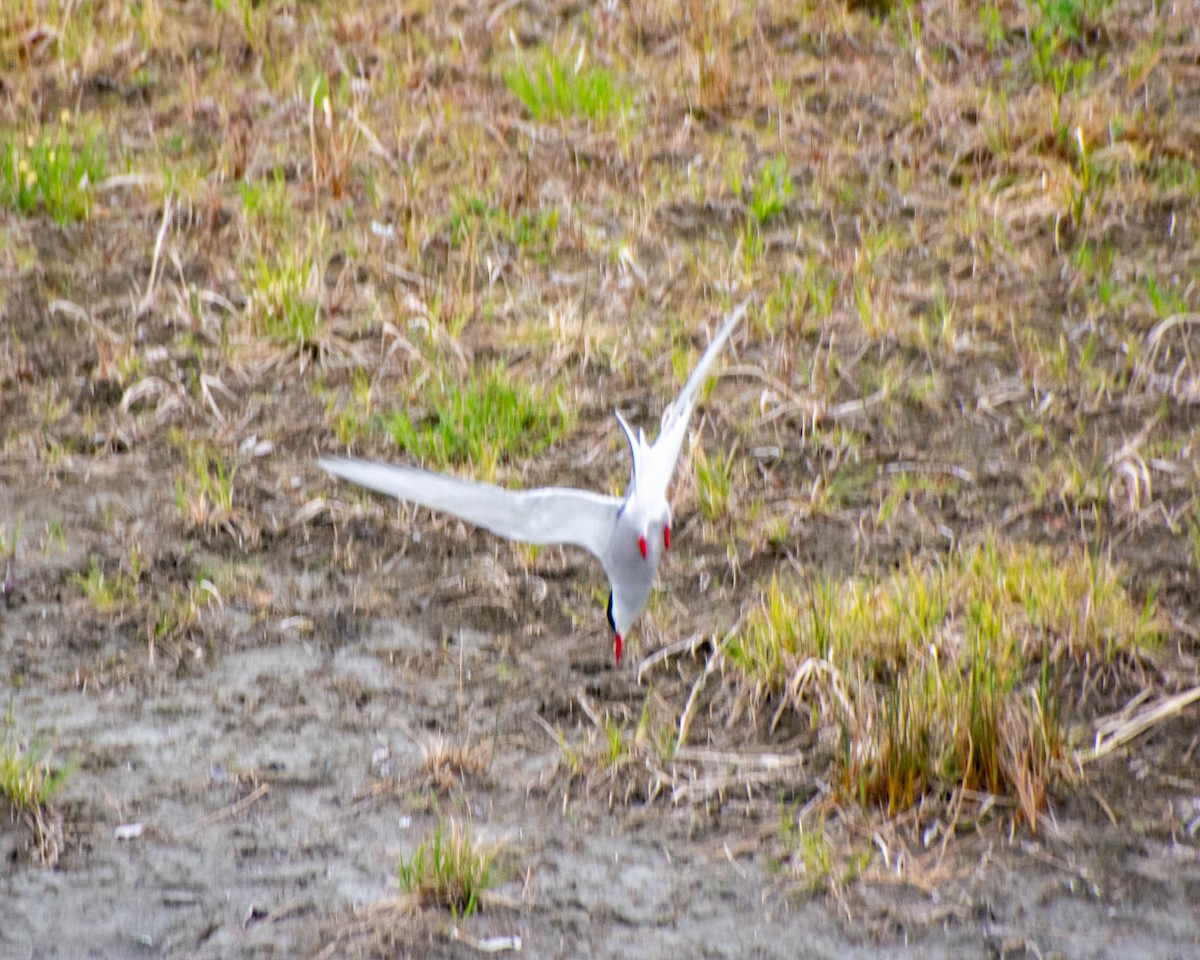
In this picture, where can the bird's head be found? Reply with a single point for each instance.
(620, 619)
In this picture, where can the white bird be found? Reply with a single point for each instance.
(628, 534)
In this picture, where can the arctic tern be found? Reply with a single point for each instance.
(628, 534)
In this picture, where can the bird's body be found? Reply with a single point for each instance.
(628, 535)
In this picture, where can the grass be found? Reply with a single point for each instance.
(166, 614)
(772, 191)
(714, 482)
(448, 763)
(174, 611)
(552, 87)
(479, 421)
(529, 232)
(9, 540)
(449, 869)
(1192, 521)
(945, 676)
(50, 173)
(285, 303)
(29, 783)
(204, 491)
(111, 593)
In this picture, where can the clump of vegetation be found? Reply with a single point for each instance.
(285, 303)
(768, 198)
(551, 86)
(527, 231)
(29, 783)
(48, 172)
(449, 869)
(772, 190)
(111, 593)
(945, 675)
(714, 482)
(204, 492)
(478, 420)
(1060, 28)
(447, 763)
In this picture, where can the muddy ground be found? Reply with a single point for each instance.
(273, 775)
(974, 318)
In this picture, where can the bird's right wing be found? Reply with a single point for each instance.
(544, 515)
(665, 451)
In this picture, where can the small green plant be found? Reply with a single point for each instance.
(714, 482)
(817, 290)
(9, 539)
(285, 303)
(352, 421)
(449, 869)
(1165, 298)
(772, 191)
(478, 421)
(51, 173)
(265, 201)
(1193, 531)
(552, 87)
(1059, 32)
(1172, 173)
(992, 24)
(29, 782)
(111, 593)
(204, 493)
(534, 231)
(53, 537)
(174, 611)
(815, 862)
(615, 749)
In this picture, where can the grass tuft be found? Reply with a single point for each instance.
(285, 304)
(204, 493)
(528, 232)
(29, 783)
(772, 191)
(50, 173)
(714, 482)
(449, 869)
(478, 420)
(111, 594)
(945, 676)
(552, 87)
(447, 763)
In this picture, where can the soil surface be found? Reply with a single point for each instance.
(251, 797)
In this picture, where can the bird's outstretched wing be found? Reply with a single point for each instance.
(663, 455)
(544, 515)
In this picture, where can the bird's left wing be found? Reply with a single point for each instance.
(665, 452)
(544, 515)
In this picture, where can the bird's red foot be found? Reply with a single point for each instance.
(617, 648)
(666, 538)
(642, 546)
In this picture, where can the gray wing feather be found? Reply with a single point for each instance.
(544, 515)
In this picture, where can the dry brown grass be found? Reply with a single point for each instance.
(447, 763)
